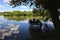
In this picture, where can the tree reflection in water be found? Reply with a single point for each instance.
(42, 34)
(25, 32)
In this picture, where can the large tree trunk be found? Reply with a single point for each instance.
(55, 18)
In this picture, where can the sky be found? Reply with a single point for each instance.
(5, 7)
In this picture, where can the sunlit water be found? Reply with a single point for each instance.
(17, 30)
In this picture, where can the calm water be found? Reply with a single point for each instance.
(16, 30)
(23, 29)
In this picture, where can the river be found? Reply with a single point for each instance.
(16, 30)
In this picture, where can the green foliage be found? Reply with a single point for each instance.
(1, 13)
(46, 3)
(43, 15)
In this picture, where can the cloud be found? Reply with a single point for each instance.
(7, 0)
(7, 4)
(26, 10)
(1, 6)
(23, 6)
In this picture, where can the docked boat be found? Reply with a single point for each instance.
(35, 24)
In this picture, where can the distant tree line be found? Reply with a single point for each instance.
(44, 14)
(17, 13)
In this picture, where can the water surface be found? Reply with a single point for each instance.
(17, 30)
(23, 29)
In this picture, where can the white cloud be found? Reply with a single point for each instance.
(8, 5)
(7, 0)
(26, 10)
(23, 6)
(1, 6)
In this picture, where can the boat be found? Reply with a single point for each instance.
(35, 24)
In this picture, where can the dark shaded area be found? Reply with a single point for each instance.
(36, 34)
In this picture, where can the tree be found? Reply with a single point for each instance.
(51, 5)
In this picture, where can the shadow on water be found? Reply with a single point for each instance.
(25, 31)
